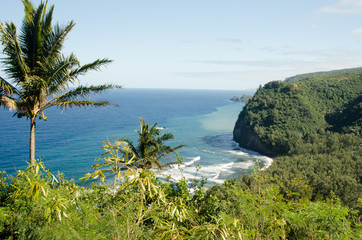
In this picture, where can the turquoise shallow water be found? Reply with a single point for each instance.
(70, 141)
(210, 145)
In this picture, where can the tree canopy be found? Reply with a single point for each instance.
(313, 128)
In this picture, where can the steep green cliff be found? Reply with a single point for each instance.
(282, 115)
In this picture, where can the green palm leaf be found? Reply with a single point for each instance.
(14, 63)
(54, 40)
(84, 103)
(83, 91)
(96, 65)
(151, 147)
(57, 72)
(6, 88)
(31, 39)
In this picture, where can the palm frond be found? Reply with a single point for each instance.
(31, 40)
(82, 103)
(83, 91)
(166, 137)
(179, 146)
(14, 63)
(6, 87)
(35, 85)
(155, 129)
(8, 102)
(54, 40)
(127, 149)
(57, 72)
(96, 65)
(47, 19)
(165, 150)
(28, 10)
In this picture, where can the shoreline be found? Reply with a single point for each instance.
(244, 151)
(216, 174)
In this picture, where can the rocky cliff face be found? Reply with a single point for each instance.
(247, 138)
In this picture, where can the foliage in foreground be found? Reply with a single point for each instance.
(38, 205)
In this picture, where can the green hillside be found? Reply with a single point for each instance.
(282, 114)
(313, 127)
(324, 74)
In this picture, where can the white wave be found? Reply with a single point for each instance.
(239, 153)
(244, 165)
(183, 170)
(178, 174)
(185, 164)
(217, 173)
(226, 165)
(267, 162)
(161, 128)
(195, 159)
(214, 173)
(249, 153)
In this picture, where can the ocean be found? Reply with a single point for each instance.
(71, 140)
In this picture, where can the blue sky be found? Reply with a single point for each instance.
(207, 44)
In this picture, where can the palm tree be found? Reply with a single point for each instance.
(150, 149)
(39, 75)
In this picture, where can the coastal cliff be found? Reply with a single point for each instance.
(281, 115)
(247, 138)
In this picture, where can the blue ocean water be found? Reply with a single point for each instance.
(70, 140)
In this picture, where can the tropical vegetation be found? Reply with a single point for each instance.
(331, 73)
(38, 205)
(313, 127)
(151, 147)
(38, 75)
(311, 191)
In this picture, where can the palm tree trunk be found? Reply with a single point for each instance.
(32, 141)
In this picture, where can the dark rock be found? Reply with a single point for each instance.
(247, 138)
(245, 98)
(235, 99)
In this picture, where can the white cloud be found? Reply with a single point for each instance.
(344, 6)
(357, 31)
